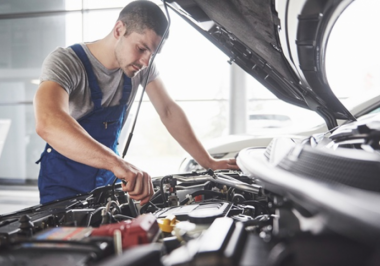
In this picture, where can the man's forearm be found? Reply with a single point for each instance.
(179, 127)
(64, 133)
(67, 137)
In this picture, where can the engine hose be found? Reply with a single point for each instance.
(155, 196)
(132, 208)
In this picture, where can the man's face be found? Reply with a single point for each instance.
(134, 51)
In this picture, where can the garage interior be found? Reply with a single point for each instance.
(307, 190)
(29, 30)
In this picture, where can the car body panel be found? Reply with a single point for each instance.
(251, 39)
(229, 146)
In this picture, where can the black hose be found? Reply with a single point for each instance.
(132, 207)
(155, 196)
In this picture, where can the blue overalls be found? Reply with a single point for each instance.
(61, 177)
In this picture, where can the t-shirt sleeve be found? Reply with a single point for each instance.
(62, 67)
(153, 74)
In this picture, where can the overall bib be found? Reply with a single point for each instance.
(61, 177)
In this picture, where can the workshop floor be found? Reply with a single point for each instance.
(14, 198)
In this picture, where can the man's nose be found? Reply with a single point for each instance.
(145, 58)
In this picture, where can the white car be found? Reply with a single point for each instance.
(229, 146)
(314, 202)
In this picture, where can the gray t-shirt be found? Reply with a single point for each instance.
(65, 68)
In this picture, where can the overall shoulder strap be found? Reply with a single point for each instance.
(96, 93)
(127, 88)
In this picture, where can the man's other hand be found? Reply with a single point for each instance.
(224, 164)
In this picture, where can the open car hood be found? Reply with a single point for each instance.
(282, 44)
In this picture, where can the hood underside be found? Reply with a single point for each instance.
(254, 34)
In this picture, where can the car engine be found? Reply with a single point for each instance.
(307, 201)
(205, 207)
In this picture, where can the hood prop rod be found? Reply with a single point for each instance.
(126, 147)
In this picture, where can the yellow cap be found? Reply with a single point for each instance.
(167, 224)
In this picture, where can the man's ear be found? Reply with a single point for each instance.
(119, 29)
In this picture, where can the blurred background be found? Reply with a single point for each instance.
(218, 98)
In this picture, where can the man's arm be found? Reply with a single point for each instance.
(176, 122)
(55, 125)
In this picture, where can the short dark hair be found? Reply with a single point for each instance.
(141, 15)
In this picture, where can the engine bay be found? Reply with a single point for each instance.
(201, 218)
(88, 229)
(305, 201)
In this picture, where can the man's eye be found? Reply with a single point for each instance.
(141, 49)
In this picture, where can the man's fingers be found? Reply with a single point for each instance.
(143, 188)
(234, 167)
(144, 201)
(149, 192)
(232, 161)
(232, 164)
(146, 188)
(139, 185)
(225, 164)
(130, 180)
(151, 189)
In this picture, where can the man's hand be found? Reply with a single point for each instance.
(139, 184)
(224, 164)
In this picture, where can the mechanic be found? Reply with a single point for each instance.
(86, 91)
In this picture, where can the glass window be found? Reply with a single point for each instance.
(95, 28)
(8, 7)
(25, 43)
(99, 4)
(196, 74)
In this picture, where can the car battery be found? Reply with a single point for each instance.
(80, 245)
(142, 230)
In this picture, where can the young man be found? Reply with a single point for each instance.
(85, 94)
